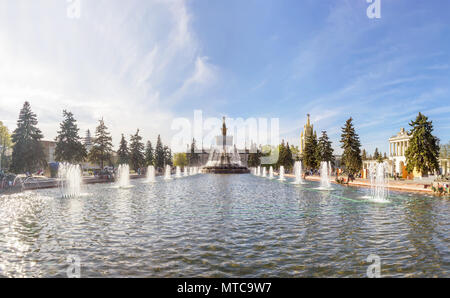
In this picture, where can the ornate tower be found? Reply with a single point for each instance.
(307, 131)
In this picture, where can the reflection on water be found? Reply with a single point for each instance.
(222, 226)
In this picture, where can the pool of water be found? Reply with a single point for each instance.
(223, 226)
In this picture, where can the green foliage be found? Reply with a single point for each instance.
(285, 158)
(351, 157)
(180, 160)
(376, 154)
(167, 156)
(193, 156)
(364, 155)
(311, 157)
(325, 151)
(149, 154)
(101, 151)
(123, 153)
(423, 150)
(28, 154)
(69, 147)
(159, 154)
(137, 158)
(5, 144)
(445, 151)
(254, 159)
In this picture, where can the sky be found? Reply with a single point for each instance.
(142, 64)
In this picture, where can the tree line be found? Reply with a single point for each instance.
(28, 155)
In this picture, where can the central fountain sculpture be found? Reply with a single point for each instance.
(225, 160)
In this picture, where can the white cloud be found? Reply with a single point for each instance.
(124, 61)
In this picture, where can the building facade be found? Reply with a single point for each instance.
(307, 131)
(397, 149)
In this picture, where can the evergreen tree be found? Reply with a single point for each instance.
(325, 150)
(137, 157)
(194, 158)
(101, 151)
(281, 155)
(159, 154)
(385, 155)
(123, 153)
(376, 155)
(69, 147)
(351, 157)
(28, 154)
(311, 160)
(364, 155)
(423, 150)
(167, 156)
(288, 161)
(149, 154)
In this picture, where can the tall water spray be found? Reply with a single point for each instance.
(178, 172)
(70, 180)
(378, 182)
(271, 173)
(168, 174)
(325, 183)
(123, 176)
(258, 171)
(298, 172)
(282, 173)
(151, 174)
(186, 172)
(264, 172)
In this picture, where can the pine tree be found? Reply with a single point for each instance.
(325, 151)
(137, 158)
(376, 155)
(281, 155)
(123, 153)
(167, 156)
(423, 150)
(159, 154)
(28, 154)
(288, 159)
(311, 158)
(149, 154)
(385, 155)
(194, 158)
(351, 157)
(69, 147)
(101, 151)
(364, 155)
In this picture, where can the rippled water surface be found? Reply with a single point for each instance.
(222, 226)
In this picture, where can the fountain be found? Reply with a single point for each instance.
(223, 159)
(325, 183)
(151, 174)
(123, 176)
(271, 173)
(258, 171)
(378, 182)
(186, 172)
(282, 174)
(168, 174)
(70, 180)
(264, 172)
(178, 172)
(298, 173)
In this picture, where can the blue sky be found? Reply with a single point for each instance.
(140, 64)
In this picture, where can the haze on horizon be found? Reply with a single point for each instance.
(141, 64)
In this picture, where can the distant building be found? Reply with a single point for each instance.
(397, 148)
(307, 131)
